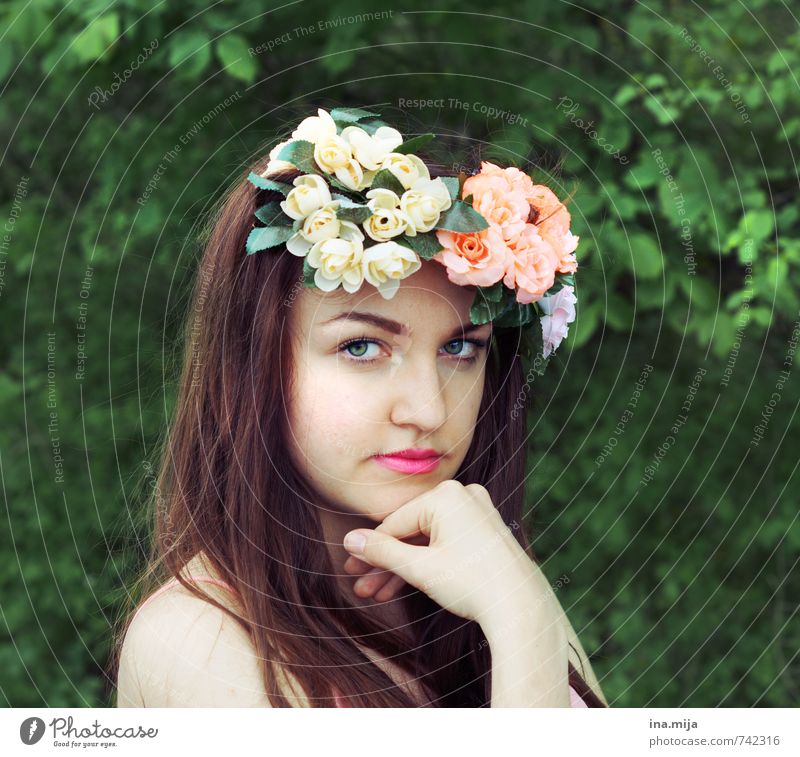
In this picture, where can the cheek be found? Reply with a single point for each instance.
(330, 420)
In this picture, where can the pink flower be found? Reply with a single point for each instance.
(553, 221)
(559, 309)
(478, 259)
(498, 194)
(532, 268)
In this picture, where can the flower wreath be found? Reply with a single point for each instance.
(506, 236)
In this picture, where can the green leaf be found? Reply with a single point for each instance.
(415, 144)
(451, 182)
(385, 179)
(645, 258)
(272, 214)
(352, 211)
(352, 115)
(262, 183)
(263, 238)
(425, 245)
(232, 51)
(300, 153)
(483, 310)
(494, 292)
(189, 52)
(462, 218)
(95, 41)
(308, 273)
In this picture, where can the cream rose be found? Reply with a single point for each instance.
(354, 177)
(425, 202)
(407, 169)
(322, 224)
(332, 153)
(316, 128)
(339, 261)
(371, 149)
(387, 220)
(311, 193)
(386, 263)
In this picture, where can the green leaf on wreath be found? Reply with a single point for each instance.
(308, 273)
(414, 144)
(451, 182)
(300, 153)
(385, 179)
(351, 115)
(493, 293)
(482, 310)
(462, 218)
(272, 214)
(270, 236)
(425, 245)
(352, 211)
(262, 183)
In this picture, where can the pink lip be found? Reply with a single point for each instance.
(410, 460)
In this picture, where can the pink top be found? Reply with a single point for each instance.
(340, 701)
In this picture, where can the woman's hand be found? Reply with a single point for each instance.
(382, 585)
(472, 566)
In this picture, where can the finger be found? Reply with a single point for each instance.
(389, 589)
(384, 551)
(354, 565)
(414, 518)
(373, 580)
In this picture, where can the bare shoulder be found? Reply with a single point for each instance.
(181, 651)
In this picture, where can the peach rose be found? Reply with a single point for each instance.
(478, 259)
(499, 197)
(532, 270)
(553, 223)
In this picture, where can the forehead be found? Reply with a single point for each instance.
(426, 301)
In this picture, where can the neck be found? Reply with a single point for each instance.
(335, 524)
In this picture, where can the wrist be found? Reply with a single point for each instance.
(525, 611)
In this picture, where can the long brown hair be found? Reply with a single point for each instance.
(226, 487)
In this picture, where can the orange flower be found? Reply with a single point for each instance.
(532, 269)
(478, 259)
(498, 194)
(553, 224)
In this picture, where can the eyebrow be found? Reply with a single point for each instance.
(391, 326)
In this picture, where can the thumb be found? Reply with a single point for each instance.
(384, 551)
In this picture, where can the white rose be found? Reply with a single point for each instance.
(353, 176)
(338, 261)
(425, 202)
(386, 263)
(316, 128)
(370, 150)
(387, 220)
(407, 169)
(311, 193)
(322, 224)
(275, 165)
(331, 153)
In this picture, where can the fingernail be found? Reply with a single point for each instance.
(354, 542)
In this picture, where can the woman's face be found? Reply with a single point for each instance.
(407, 379)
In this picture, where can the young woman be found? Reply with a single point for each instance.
(341, 492)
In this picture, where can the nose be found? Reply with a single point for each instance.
(417, 394)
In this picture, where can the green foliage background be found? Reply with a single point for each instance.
(684, 589)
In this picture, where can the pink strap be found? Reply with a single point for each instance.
(574, 699)
(172, 581)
